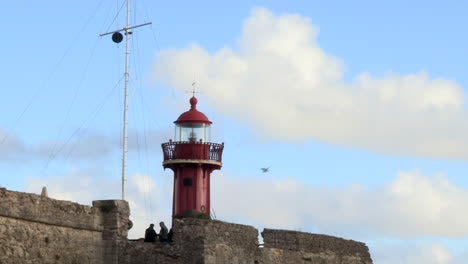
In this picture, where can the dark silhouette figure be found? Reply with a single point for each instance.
(163, 233)
(150, 234)
(170, 235)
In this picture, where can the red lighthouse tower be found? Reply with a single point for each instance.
(192, 158)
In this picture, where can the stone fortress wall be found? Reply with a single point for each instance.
(213, 242)
(37, 229)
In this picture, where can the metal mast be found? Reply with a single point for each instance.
(127, 33)
(125, 122)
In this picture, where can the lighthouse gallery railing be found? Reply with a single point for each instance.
(175, 150)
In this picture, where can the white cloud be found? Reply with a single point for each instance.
(281, 81)
(90, 147)
(462, 257)
(412, 253)
(409, 206)
(87, 146)
(11, 147)
(148, 139)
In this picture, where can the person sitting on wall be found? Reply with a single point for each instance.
(163, 233)
(150, 234)
(170, 235)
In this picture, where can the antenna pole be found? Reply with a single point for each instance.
(125, 122)
(127, 33)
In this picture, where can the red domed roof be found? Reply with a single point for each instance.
(193, 115)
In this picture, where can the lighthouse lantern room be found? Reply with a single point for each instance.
(192, 158)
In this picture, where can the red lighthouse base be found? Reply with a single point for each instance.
(191, 188)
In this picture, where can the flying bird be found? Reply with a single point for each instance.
(265, 169)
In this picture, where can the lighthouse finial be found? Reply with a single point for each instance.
(194, 91)
(193, 88)
(193, 102)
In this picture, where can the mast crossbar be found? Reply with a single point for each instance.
(125, 29)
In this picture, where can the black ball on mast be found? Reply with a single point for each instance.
(117, 37)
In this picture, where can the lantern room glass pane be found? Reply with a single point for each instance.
(192, 132)
(208, 133)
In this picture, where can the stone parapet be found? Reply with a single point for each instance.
(28, 242)
(41, 209)
(211, 241)
(315, 243)
(196, 241)
(199, 241)
(138, 252)
(114, 217)
(210, 232)
(38, 229)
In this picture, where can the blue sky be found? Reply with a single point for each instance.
(358, 107)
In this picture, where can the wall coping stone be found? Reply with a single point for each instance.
(313, 243)
(41, 209)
